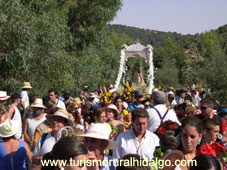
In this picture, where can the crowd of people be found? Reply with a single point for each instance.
(99, 125)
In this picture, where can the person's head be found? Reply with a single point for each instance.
(205, 162)
(182, 93)
(139, 120)
(68, 148)
(211, 130)
(146, 104)
(191, 134)
(206, 107)
(169, 140)
(59, 119)
(53, 94)
(9, 128)
(3, 97)
(37, 107)
(220, 159)
(73, 107)
(159, 97)
(171, 97)
(134, 163)
(118, 101)
(138, 96)
(26, 86)
(100, 115)
(114, 95)
(112, 112)
(91, 97)
(193, 93)
(180, 110)
(171, 157)
(97, 139)
(16, 98)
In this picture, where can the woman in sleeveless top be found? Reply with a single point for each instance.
(13, 152)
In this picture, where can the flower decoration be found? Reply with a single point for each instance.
(127, 92)
(167, 125)
(172, 127)
(161, 131)
(105, 96)
(206, 150)
(218, 147)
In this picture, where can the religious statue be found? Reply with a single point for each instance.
(137, 75)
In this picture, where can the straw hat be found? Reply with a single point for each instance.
(61, 113)
(99, 131)
(9, 128)
(3, 95)
(113, 107)
(77, 100)
(27, 85)
(38, 103)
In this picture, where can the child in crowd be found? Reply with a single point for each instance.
(211, 130)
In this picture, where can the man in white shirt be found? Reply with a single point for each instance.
(53, 95)
(137, 140)
(24, 98)
(159, 113)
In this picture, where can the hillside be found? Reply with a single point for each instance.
(146, 36)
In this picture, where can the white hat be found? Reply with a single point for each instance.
(27, 85)
(3, 95)
(113, 107)
(100, 131)
(91, 95)
(61, 113)
(38, 103)
(9, 128)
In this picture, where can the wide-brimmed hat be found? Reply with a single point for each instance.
(100, 131)
(61, 113)
(3, 95)
(27, 85)
(38, 103)
(113, 107)
(9, 128)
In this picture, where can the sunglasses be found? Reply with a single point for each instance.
(147, 105)
(203, 108)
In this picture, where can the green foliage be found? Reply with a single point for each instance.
(99, 64)
(88, 18)
(167, 75)
(40, 42)
(145, 36)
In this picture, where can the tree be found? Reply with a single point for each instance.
(167, 75)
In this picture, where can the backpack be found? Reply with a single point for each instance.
(43, 137)
(161, 118)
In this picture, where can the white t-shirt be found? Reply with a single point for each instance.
(154, 119)
(17, 117)
(32, 125)
(24, 98)
(60, 104)
(46, 146)
(127, 143)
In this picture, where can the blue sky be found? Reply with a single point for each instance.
(181, 16)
